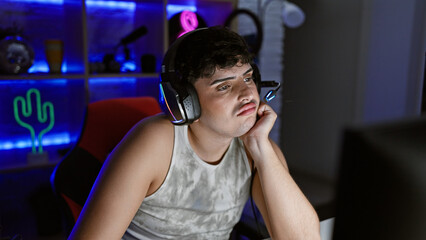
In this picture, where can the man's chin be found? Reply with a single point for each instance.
(246, 126)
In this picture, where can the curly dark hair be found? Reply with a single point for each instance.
(203, 51)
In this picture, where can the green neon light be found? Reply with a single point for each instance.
(27, 111)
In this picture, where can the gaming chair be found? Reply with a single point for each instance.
(105, 124)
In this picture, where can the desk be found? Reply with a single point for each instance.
(320, 193)
(16, 160)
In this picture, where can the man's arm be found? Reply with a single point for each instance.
(285, 209)
(134, 169)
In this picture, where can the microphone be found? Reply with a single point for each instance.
(271, 94)
(133, 36)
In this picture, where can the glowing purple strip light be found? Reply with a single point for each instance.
(163, 99)
(188, 21)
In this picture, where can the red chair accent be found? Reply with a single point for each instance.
(105, 124)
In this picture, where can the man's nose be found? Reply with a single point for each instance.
(245, 92)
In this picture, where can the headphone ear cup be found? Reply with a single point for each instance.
(191, 104)
(180, 108)
(170, 103)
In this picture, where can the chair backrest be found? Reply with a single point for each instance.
(105, 124)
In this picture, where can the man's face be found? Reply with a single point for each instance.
(229, 100)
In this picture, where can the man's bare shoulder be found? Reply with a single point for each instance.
(146, 150)
(151, 136)
(153, 127)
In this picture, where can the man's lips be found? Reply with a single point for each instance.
(247, 109)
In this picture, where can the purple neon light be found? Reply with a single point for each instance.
(188, 21)
(167, 104)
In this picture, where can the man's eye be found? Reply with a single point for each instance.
(249, 79)
(223, 88)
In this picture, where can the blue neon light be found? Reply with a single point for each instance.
(112, 4)
(39, 67)
(52, 82)
(111, 81)
(42, 67)
(105, 4)
(48, 140)
(172, 9)
(128, 66)
(56, 2)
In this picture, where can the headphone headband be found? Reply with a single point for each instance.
(168, 64)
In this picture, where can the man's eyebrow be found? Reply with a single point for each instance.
(229, 78)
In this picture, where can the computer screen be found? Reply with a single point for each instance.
(381, 189)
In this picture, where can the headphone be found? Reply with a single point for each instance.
(255, 45)
(179, 99)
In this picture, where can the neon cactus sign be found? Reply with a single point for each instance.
(45, 111)
(188, 21)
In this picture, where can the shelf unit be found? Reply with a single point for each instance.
(89, 29)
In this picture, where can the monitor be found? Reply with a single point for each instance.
(381, 189)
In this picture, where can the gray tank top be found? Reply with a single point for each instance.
(197, 200)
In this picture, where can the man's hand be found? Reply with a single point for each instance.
(259, 133)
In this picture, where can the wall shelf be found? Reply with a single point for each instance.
(70, 76)
(124, 75)
(89, 29)
(42, 76)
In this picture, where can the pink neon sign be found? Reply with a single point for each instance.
(188, 21)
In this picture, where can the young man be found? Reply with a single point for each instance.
(166, 181)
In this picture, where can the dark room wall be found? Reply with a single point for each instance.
(351, 62)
